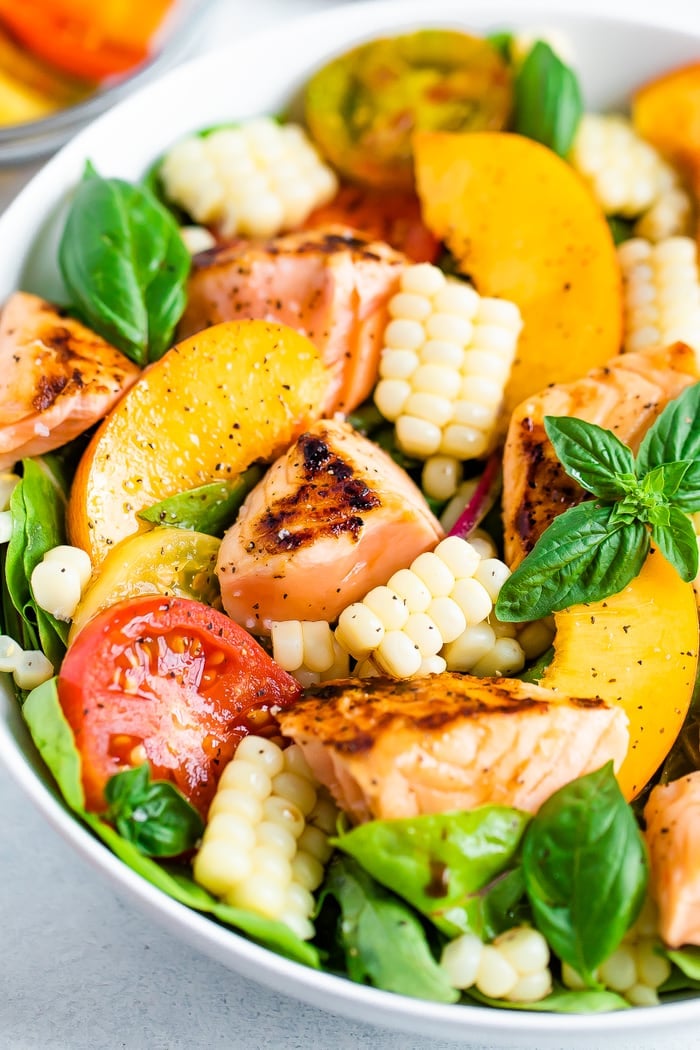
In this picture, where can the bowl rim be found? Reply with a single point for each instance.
(329, 991)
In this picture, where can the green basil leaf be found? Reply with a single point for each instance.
(54, 741)
(561, 1001)
(688, 961)
(382, 938)
(678, 543)
(125, 265)
(621, 229)
(581, 557)
(440, 863)
(548, 100)
(593, 457)
(153, 815)
(585, 870)
(501, 41)
(666, 479)
(675, 437)
(207, 509)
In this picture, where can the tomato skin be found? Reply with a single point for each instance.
(391, 216)
(169, 680)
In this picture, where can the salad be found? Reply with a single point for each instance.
(350, 504)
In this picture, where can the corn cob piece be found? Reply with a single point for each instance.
(629, 177)
(308, 650)
(636, 970)
(514, 966)
(256, 179)
(433, 616)
(661, 292)
(266, 841)
(446, 358)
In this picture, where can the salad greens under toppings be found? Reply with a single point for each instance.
(125, 265)
(595, 549)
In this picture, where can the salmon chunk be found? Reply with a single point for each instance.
(626, 397)
(57, 378)
(388, 749)
(331, 284)
(672, 817)
(332, 518)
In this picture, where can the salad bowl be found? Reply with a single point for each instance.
(263, 75)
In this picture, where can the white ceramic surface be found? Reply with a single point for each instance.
(260, 75)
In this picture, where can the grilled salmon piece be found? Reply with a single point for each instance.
(626, 397)
(388, 749)
(57, 378)
(330, 284)
(672, 816)
(332, 518)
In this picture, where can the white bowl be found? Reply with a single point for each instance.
(260, 75)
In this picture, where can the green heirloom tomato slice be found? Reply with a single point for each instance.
(166, 560)
(363, 107)
(171, 682)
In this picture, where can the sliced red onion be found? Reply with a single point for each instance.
(484, 496)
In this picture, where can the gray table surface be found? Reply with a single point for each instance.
(80, 969)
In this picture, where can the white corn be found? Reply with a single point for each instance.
(661, 293)
(432, 616)
(446, 359)
(257, 179)
(32, 669)
(514, 967)
(308, 650)
(629, 177)
(58, 580)
(197, 239)
(266, 840)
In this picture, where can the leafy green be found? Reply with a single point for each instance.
(585, 870)
(501, 41)
(687, 960)
(38, 505)
(444, 864)
(125, 265)
(581, 557)
(621, 229)
(548, 100)
(535, 672)
(595, 549)
(54, 740)
(153, 815)
(382, 939)
(562, 1001)
(210, 508)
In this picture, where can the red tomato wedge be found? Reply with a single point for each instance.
(393, 216)
(171, 681)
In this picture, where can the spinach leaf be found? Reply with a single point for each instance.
(581, 557)
(621, 229)
(535, 672)
(593, 457)
(442, 863)
(675, 436)
(548, 100)
(125, 265)
(38, 505)
(54, 740)
(686, 969)
(209, 508)
(153, 815)
(382, 938)
(562, 1001)
(585, 870)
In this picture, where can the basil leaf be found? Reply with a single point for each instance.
(548, 100)
(585, 870)
(688, 961)
(383, 940)
(581, 557)
(561, 1001)
(208, 509)
(678, 543)
(665, 479)
(153, 815)
(621, 229)
(501, 41)
(675, 437)
(442, 863)
(125, 265)
(593, 457)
